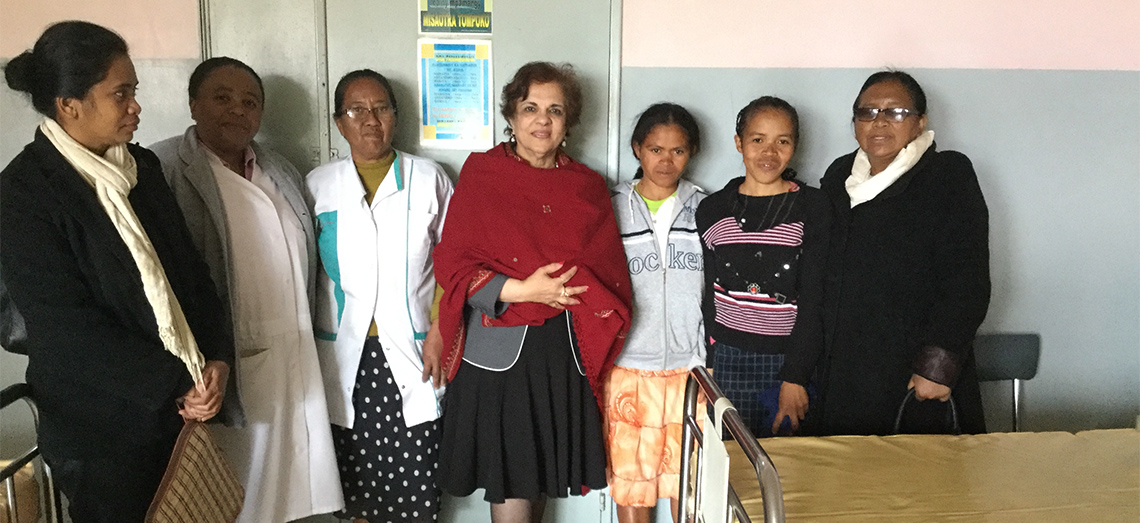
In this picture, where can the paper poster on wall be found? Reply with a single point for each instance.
(455, 16)
(456, 100)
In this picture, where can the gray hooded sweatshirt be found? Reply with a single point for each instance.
(667, 330)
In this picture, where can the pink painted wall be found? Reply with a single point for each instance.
(163, 29)
(967, 34)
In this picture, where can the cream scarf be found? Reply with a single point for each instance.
(113, 176)
(862, 187)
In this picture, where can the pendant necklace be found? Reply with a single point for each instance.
(742, 221)
(752, 287)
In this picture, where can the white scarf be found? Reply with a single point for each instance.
(113, 176)
(862, 187)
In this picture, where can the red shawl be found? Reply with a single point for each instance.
(509, 218)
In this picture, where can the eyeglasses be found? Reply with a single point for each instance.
(893, 114)
(361, 112)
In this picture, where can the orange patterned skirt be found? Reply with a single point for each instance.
(643, 420)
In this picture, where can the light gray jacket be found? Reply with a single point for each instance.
(668, 328)
(191, 179)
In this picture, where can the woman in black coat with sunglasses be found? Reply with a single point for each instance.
(908, 277)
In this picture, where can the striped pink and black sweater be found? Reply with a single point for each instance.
(764, 259)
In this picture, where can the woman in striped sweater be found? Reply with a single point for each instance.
(765, 243)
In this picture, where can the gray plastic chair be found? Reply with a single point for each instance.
(1007, 356)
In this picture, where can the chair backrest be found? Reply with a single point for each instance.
(1007, 356)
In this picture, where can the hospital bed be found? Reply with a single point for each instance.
(706, 494)
(29, 489)
(1038, 477)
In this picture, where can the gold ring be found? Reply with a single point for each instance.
(563, 293)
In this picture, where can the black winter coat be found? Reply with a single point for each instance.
(102, 379)
(907, 287)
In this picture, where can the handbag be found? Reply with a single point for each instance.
(13, 332)
(955, 428)
(199, 485)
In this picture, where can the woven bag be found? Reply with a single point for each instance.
(199, 486)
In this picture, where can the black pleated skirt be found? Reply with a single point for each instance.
(529, 431)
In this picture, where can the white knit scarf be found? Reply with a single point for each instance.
(113, 176)
(862, 187)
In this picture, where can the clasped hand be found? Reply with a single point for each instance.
(542, 287)
(204, 399)
(925, 389)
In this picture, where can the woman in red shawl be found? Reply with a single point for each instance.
(536, 308)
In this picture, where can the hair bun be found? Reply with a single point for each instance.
(18, 72)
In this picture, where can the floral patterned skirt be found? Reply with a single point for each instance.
(643, 419)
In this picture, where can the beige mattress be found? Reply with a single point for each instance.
(1091, 476)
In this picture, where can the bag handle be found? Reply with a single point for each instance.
(955, 428)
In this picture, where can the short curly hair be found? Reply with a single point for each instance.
(540, 73)
(198, 77)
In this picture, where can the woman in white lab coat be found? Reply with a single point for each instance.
(247, 215)
(379, 215)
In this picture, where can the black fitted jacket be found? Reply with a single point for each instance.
(102, 379)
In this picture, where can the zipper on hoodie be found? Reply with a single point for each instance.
(640, 202)
(664, 303)
(661, 256)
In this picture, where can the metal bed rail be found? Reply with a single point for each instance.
(48, 494)
(771, 491)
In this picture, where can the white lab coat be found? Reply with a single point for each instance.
(376, 265)
(258, 239)
(284, 455)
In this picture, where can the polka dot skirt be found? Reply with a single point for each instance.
(387, 469)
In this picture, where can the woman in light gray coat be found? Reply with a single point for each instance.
(656, 213)
(247, 215)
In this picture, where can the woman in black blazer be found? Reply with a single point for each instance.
(908, 279)
(119, 309)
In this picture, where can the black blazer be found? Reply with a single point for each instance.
(101, 377)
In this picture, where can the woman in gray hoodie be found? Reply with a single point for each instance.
(656, 213)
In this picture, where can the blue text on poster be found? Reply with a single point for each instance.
(456, 99)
